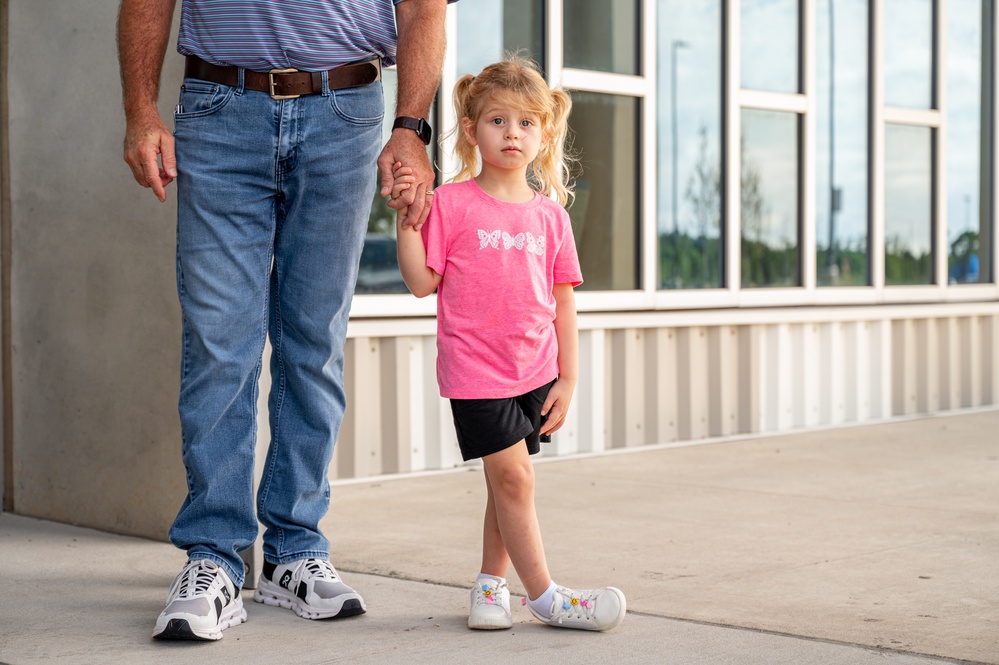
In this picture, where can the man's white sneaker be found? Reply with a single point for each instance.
(310, 587)
(202, 602)
(490, 606)
(587, 609)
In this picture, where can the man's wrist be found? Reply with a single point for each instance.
(419, 126)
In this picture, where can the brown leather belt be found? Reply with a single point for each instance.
(285, 83)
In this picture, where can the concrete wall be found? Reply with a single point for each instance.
(94, 315)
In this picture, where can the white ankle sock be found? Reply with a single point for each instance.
(543, 603)
(484, 576)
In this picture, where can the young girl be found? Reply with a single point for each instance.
(501, 255)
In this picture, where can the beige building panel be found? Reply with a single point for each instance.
(693, 402)
(661, 385)
(832, 373)
(927, 365)
(904, 372)
(627, 388)
(396, 405)
(806, 375)
(855, 400)
(750, 382)
(723, 380)
(990, 359)
(777, 404)
(881, 368)
(970, 359)
(592, 390)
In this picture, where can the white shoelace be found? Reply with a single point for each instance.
(480, 596)
(582, 608)
(194, 580)
(315, 569)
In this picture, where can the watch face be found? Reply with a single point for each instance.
(424, 131)
(418, 125)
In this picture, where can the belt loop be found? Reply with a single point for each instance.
(326, 83)
(239, 80)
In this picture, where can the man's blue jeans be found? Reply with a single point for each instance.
(273, 200)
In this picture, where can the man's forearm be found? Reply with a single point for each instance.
(143, 33)
(420, 54)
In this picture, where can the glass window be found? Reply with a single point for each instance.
(602, 35)
(769, 205)
(769, 45)
(487, 29)
(689, 151)
(605, 217)
(379, 268)
(966, 223)
(908, 53)
(908, 204)
(841, 143)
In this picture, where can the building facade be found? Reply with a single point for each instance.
(784, 212)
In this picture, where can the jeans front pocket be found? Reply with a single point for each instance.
(362, 105)
(200, 98)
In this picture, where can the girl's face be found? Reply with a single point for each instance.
(507, 136)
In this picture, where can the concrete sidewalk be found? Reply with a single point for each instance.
(858, 545)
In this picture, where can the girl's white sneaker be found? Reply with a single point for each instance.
(586, 609)
(490, 606)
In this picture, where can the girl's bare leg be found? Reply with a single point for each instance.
(495, 558)
(510, 477)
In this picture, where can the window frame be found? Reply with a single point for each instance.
(731, 295)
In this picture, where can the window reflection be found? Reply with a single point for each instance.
(689, 152)
(769, 45)
(489, 28)
(908, 53)
(769, 205)
(605, 218)
(602, 35)
(841, 143)
(908, 204)
(966, 223)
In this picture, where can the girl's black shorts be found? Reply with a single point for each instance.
(487, 426)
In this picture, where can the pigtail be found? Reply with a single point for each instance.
(468, 158)
(554, 164)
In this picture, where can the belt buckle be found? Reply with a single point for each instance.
(270, 78)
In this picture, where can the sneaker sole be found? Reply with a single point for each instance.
(490, 625)
(269, 593)
(180, 629)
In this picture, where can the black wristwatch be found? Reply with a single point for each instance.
(418, 125)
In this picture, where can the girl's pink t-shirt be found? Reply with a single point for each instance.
(495, 308)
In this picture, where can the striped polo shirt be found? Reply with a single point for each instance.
(309, 35)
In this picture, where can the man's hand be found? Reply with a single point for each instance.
(419, 57)
(149, 152)
(405, 147)
(143, 32)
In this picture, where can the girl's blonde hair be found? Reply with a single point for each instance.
(516, 80)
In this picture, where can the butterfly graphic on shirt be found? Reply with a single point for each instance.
(513, 241)
(536, 245)
(489, 239)
(526, 239)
